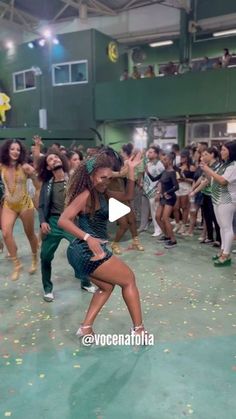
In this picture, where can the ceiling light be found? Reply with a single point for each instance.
(225, 33)
(42, 42)
(160, 43)
(55, 41)
(30, 45)
(47, 33)
(9, 45)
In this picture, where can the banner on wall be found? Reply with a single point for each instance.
(4, 106)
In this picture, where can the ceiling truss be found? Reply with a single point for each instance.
(29, 22)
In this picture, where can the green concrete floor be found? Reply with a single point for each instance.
(190, 372)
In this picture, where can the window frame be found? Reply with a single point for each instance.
(69, 63)
(25, 89)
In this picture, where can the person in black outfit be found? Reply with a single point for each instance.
(166, 197)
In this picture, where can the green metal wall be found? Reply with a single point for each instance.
(211, 8)
(200, 93)
(70, 109)
(104, 69)
(211, 48)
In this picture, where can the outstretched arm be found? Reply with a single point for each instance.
(132, 163)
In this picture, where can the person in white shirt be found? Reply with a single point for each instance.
(155, 168)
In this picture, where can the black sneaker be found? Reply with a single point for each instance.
(163, 239)
(170, 244)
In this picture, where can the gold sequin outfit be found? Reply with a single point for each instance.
(16, 197)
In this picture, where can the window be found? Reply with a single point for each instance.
(201, 131)
(75, 72)
(24, 80)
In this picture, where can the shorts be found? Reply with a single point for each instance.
(79, 256)
(24, 204)
(184, 189)
(171, 201)
(198, 199)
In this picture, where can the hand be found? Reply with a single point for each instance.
(95, 246)
(37, 140)
(134, 160)
(204, 166)
(167, 196)
(191, 194)
(45, 228)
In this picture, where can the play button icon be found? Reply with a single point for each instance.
(117, 209)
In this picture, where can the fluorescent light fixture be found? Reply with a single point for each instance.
(224, 33)
(160, 43)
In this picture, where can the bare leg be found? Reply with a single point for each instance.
(122, 228)
(1, 241)
(176, 210)
(159, 220)
(184, 200)
(99, 299)
(132, 223)
(8, 221)
(166, 221)
(27, 218)
(115, 272)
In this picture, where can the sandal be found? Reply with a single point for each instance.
(80, 332)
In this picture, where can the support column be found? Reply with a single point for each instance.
(185, 42)
(181, 134)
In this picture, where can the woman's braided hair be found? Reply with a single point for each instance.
(81, 180)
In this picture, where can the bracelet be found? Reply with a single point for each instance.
(87, 235)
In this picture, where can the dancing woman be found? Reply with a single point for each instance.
(86, 218)
(128, 222)
(16, 202)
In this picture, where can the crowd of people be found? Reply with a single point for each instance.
(178, 191)
(172, 68)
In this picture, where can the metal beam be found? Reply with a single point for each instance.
(59, 13)
(177, 4)
(128, 5)
(26, 17)
(103, 8)
(12, 10)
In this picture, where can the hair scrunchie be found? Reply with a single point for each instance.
(90, 165)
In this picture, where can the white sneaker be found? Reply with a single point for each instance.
(49, 297)
(156, 234)
(91, 289)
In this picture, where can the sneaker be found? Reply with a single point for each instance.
(49, 297)
(206, 241)
(91, 289)
(187, 234)
(163, 239)
(140, 229)
(156, 234)
(170, 244)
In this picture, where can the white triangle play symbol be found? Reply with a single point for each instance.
(117, 209)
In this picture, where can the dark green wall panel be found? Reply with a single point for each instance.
(211, 8)
(106, 70)
(203, 93)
